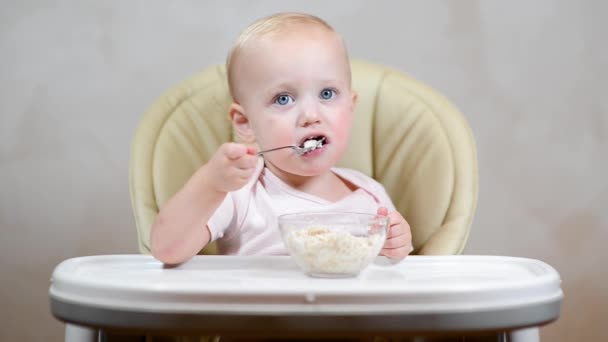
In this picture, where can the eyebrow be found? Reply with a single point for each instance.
(286, 85)
(277, 89)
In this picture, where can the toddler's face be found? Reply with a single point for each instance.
(292, 87)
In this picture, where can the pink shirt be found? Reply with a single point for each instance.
(246, 221)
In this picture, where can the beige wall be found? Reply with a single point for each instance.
(529, 76)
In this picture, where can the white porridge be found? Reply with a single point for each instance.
(320, 250)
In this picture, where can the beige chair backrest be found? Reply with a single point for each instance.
(405, 135)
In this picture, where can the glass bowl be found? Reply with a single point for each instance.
(333, 244)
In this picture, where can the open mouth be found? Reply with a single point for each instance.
(313, 142)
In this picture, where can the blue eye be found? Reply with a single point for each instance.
(327, 94)
(283, 99)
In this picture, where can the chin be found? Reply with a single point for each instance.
(303, 172)
(314, 171)
(309, 168)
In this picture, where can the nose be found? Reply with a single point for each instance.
(309, 115)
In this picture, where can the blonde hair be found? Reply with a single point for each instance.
(266, 26)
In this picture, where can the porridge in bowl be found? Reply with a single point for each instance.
(333, 244)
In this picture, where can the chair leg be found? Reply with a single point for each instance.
(105, 336)
(77, 333)
(524, 335)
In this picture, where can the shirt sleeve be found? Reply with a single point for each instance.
(229, 216)
(382, 196)
(223, 217)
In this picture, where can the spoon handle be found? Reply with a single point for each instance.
(278, 148)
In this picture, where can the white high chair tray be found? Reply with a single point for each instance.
(421, 292)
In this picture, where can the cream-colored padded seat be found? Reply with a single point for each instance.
(405, 135)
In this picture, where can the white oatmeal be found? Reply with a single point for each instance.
(320, 250)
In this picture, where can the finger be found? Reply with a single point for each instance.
(398, 225)
(252, 150)
(238, 178)
(395, 218)
(243, 173)
(246, 162)
(234, 151)
(381, 221)
(397, 229)
(397, 242)
(399, 238)
(396, 253)
(393, 228)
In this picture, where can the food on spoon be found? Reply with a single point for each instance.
(313, 143)
(310, 144)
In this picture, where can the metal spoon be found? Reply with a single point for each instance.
(299, 150)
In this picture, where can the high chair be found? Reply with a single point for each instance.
(405, 135)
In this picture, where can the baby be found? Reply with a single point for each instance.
(290, 80)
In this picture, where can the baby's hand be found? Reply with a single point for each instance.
(231, 166)
(398, 237)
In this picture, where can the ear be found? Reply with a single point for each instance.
(241, 124)
(354, 98)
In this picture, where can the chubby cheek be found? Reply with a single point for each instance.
(274, 133)
(341, 130)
